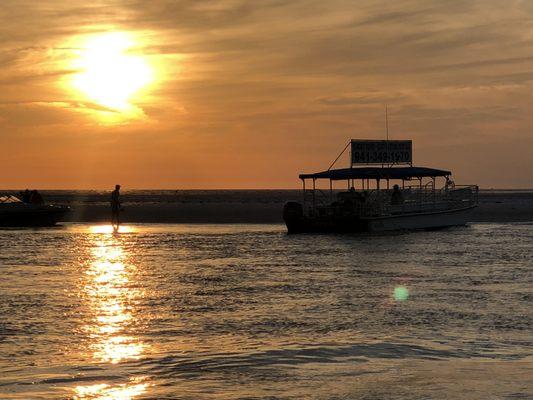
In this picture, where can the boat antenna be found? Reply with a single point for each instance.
(387, 131)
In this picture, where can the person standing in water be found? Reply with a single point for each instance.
(115, 207)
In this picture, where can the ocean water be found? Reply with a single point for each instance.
(249, 312)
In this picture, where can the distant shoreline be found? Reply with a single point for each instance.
(124, 190)
(244, 206)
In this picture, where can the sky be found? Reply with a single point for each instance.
(248, 94)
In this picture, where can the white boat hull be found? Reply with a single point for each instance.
(428, 220)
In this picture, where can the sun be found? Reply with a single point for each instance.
(109, 73)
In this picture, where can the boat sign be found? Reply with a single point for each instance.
(382, 151)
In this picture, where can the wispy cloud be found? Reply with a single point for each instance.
(283, 82)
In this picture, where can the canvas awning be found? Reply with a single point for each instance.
(377, 173)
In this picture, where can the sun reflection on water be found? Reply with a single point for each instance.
(103, 391)
(111, 291)
(110, 229)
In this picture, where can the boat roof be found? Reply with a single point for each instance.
(377, 173)
(9, 199)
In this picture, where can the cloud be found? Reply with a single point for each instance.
(363, 98)
(301, 75)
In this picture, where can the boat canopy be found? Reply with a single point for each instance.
(9, 199)
(404, 173)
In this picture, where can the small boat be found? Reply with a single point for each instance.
(15, 213)
(389, 197)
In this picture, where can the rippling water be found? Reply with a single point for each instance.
(246, 311)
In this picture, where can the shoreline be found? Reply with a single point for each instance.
(243, 206)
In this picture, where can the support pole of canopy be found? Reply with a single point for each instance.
(314, 202)
(433, 190)
(331, 190)
(380, 204)
(420, 195)
(303, 191)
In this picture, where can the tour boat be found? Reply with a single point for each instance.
(15, 213)
(388, 197)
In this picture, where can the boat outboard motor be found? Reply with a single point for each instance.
(292, 210)
(293, 215)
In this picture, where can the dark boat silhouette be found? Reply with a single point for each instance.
(15, 213)
(370, 204)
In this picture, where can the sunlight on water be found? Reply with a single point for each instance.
(110, 229)
(103, 391)
(109, 295)
(111, 292)
(247, 311)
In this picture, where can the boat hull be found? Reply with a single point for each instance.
(29, 216)
(410, 221)
(427, 220)
(324, 224)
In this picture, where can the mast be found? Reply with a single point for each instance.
(387, 131)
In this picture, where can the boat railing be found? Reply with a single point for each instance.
(316, 201)
(426, 200)
(371, 203)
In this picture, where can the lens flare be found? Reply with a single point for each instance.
(401, 293)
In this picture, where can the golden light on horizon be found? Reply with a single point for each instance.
(110, 73)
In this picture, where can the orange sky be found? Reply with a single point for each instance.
(247, 94)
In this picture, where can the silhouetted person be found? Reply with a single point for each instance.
(36, 198)
(115, 207)
(450, 185)
(397, 196)
(26, 196)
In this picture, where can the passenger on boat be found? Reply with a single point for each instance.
(397, 196)
(449, 185)
(36, 198)
(25, 196)
(350, 201)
